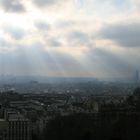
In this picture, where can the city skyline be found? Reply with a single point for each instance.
(73, 38)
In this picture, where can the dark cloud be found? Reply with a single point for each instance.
(54, 43)
(43, 3)
(12, 5)
(15, 32)
(42, 26)
(126, 35)
(78, 38)
(66, 24)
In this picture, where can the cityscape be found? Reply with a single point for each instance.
(45, 111)
(69, 70)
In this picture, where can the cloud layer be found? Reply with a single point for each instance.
(126, 35)
(80, 38)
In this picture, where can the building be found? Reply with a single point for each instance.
(137, 77)
(3, 129)
(18, 127)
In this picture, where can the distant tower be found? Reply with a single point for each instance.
(137, 77)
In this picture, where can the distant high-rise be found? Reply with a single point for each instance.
(137, 77)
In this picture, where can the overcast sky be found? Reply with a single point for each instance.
(70, 38)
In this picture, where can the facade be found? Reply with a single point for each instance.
(3, 129)
(15, 127)
(19, 130)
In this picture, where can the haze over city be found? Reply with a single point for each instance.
(72, 38)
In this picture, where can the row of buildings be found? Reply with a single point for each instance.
(23, 115)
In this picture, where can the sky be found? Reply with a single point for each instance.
(70, 38)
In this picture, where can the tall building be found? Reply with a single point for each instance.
(3, 129)
(19, 129)
(15, 127)
(137, 77)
